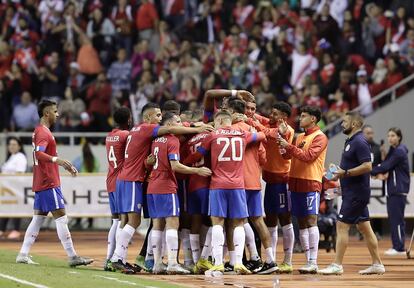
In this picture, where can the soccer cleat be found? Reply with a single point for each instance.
(216, 270)
(373, 269)
(228, 269)
(309, 269)
(25, 259)
(285, 268)
(202, 266)
(134, 267)
(176, 269)
(160, 268)
(393, 252)
(121, 267)
(79, 261)
(108, 266)
(333, 269)
(240, 269)
(254, 265)
(268, 268)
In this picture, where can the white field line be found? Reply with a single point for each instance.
(123, 281)
(22, 281)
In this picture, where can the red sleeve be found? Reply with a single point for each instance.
(173, 149)
(151, 130)
(319, 143)
(41, 143)
(262, 155)
(153, 13)
(201, 151)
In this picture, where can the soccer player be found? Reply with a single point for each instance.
(255, 156)
(130, 180)
(115, 150)
(162, 199)
(276, 174)
(354, 173)
(46, 185)
(227, 195)
(308, 155)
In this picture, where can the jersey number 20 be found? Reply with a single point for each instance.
(230, 143)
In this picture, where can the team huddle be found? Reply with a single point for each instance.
(199, 181)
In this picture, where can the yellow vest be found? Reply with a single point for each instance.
(305, 170)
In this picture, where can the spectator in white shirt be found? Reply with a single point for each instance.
(16, 163)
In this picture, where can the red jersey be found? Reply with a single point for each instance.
(115, 152)
(45, 173)
(137, 149)
(227, 146)
(162, 180)
(197, 182)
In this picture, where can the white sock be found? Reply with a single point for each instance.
(203, 233)
(185, 240)
(269, 255)
(31, 233)
(171, 236)
(217, 241)
(288, 242)
(313, 244)
(232, 256)
(273, 236)
(206, 252)
(156, 240)
(164, 245)
(304, 241)
(64, 235)
(112, 239)
(121, 250)
(250, 242)
(118, 231)
(239, 238)
(195, 246)
(150, 252)
(225, 247)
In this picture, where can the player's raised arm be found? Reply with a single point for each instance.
(180, 130)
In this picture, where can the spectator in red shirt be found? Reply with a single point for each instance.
(243, 13)
(98, 98)
(315, 99)
(146, 20)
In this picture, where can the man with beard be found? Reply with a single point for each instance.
(354, 172)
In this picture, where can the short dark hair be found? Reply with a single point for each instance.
(19, 142)
(148, 106)
(313, 111)
(222, 113)
(283, 107)
(237, 105)
(366, 126)
(397, 131)
(44, 104)
(122, 115)
(170, 106)
(167, 116)
(355, 116)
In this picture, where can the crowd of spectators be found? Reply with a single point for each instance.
(95, 55)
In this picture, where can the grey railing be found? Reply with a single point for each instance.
(71, 136)
(392, 91)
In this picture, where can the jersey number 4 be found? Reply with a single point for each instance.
(230, 143)
(111, 156)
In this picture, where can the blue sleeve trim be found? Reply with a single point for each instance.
(173, 157)
(254, 139)
(202, 150)
(155, 131)
(41, 148)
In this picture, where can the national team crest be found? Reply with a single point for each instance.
(347, 147)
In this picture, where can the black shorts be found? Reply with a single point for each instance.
(353, 211)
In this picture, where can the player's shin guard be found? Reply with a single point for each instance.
(206, 252)
(64, 235)
(185, 239)
(239, 240)
(121, 249)
(156, 240)
(112, 238)
(250, 242)
(171, 236)
(288, 242)
(304, 241)
(195, 246)
(150, 252)
(273, 236)
(31, 233)
(313, 244)
(217, 240)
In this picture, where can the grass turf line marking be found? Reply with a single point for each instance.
(22, 281)
(123, 281)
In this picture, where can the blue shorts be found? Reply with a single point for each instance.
(305, 203)
(198, 202)
(49, 200)
(163, 205)
(277, 199)
(129, 196)
(112, 202)
(182, 194)
(228, 203)
(254, 203)
(353, 211)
